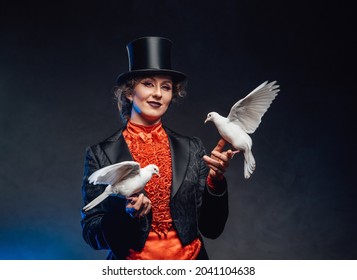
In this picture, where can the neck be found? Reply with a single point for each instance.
(145, 123)
(135, 118)
(146, 128)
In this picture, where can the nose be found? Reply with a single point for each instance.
(157, 92)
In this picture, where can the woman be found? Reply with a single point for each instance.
(189, 198)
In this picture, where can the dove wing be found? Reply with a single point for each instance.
(114, 173)
(107, 192)
(248, 111)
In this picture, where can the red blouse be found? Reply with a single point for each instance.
(150, 145)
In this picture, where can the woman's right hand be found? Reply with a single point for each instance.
(138, 206)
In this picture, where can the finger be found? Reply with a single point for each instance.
(215, 165)
(137, 205)
(223, 158)
(220, 156)
(229, 154)
(145, 210)
(220, 145)
(145, 203)
(209, 160)
(215, 172)
(132, 200)
(146, 206)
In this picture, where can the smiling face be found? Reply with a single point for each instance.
(151, 97)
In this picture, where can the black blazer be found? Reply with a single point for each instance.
(195, 210)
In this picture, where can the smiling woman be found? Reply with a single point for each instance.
(124, 92)
(187, 201)
(148, 100)
(151, 98)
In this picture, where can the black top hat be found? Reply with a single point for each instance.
(150, 56)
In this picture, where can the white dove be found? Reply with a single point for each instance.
(123, 179)
(243, 118)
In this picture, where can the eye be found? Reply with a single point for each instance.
(147, 83)
(166, 87)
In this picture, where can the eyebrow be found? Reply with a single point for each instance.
(164, 81)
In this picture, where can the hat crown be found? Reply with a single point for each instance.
(149, 53)
(150, 56)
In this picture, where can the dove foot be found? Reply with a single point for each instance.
(235, 152)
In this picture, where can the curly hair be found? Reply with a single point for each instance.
(122, 91)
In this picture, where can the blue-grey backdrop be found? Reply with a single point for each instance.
(58, 64)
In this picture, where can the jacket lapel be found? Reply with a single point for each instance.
(116, 148)
(180, 158)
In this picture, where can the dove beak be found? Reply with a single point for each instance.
(206, 120)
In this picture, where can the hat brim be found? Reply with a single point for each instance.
(176, 75)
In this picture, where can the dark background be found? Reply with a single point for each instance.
(58, 65)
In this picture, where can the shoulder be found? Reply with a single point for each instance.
(173, 133)
(109, 139)
(97, 148)
(193, 141)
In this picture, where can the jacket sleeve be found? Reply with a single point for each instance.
(105, 226)
(91, 220)
(213, 209)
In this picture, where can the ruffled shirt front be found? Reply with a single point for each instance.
(150, 145)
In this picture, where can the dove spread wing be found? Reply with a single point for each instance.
(248, 111)
(114, 173)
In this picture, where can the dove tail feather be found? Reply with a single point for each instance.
(97, 200)
(249, 164)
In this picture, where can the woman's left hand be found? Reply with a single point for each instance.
(218, 162)
(138, 206)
